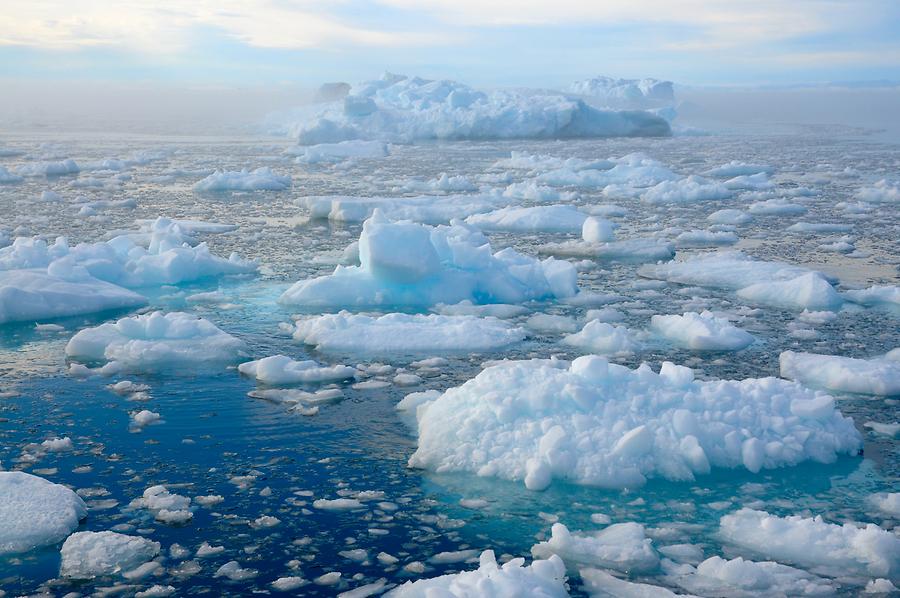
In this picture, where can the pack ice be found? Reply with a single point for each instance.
(402, 109)
(155, 342)
(405, 334)
(35, 512)
(409, 264)
(601, 424)
(540, 579)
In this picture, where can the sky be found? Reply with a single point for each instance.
(488, 43)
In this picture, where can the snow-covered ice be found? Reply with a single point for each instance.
(86, 555)
(551, 219)
(281, 369)
(602, 424)
(878, 376)
(621, 546)
(35, 512)
(261, 179)
(701, 332)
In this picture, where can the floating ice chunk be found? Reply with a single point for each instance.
(621, 546)
(233, 571)
(58, 445)
(738, 577)
(602, 424)
(730, 216)
(814, 543)
(880, 586)
(280, 369)
(597, 230)
(425, 209)
(408, 264)
(776, 207)
(442, 184)
(875, 295)
(842, 374)
(701, 332)
(551, 219)
(156, 342)
(689, 189)
(403, 109)
(601, 584)
(167, 507)
(633, 170)
(335, 152)
(819, 227)
(750, 182)
(86, 555)
(705, 238)
(287, 584)
(808, 291)
(628, 250)
(9, 178)
(541, 579)
(892, 430)
(604, 339)
(35, 512)
(145, 417)
(49, 169)
(407, 334)
(724, 269)
(735, 168)
(261, 179)
(535, 192)
(883, 191)
(887, 502)
(338, 504)
(504, 311)
(32, 295)
(538, 162)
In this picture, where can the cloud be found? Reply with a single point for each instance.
(166, 26)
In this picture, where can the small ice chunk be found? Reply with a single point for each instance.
(35, 512)
(86, 555)
(877, 376)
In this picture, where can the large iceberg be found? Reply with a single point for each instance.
(155, 342)
(35, 512)
(403, 109)
(408, 264)
(596, 423)
(541, 579)
(406, 334)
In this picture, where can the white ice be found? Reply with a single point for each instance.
(261, 179)
(86, 555)
(878, 376)
(35, 512)
(701, 332)
(621, 546)
(280, 369)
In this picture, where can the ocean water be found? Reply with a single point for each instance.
(265, 460)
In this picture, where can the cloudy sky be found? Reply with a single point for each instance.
(488, 43)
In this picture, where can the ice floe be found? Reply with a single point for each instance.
(540, 579)
(883, 191)
(813, 542)
(596, 423)
(335, 152)
(155, 342)
(86, 555)
(403, 263)
(405, 334)
(550, 219)
(879, 376)
(280, 369)
(261, 179)
(35, 512)
(701, 332)
(621, 546)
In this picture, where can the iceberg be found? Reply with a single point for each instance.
(405, 334)
(880, 376)
(261, 179)
(601, 424)
(409, 264)
(404, 109)
(701, 332)
(35, 512)
(813, 542)
(626, 93)
(155, 342)
(541, 579)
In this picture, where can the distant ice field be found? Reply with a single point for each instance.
(783, 240)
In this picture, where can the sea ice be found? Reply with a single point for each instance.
(334, 152)
(280, 369)
(596, 423)
(879, 376)
(813, 542)
(407, 264)
(701, 332)
(541, 579)
(883, 191)
(743, 578)
(604, 339)
(875, 295)
(86, 555)
(626, 93)
(550, 219)
(155, 342)
(35, 512)
(404, 333)
(261, 179)
(689, 189)
(621, 546)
